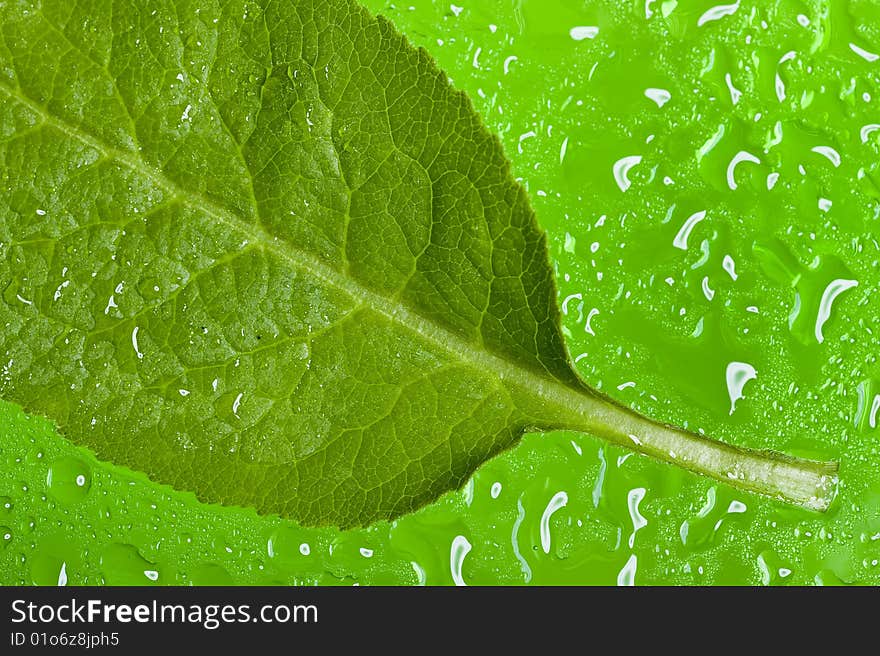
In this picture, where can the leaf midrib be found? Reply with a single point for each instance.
(545, 388)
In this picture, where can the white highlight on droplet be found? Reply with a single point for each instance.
(568, 299)
(738, 374)
(134, 342)
(681, 239)
(735, 94)
(62, 575)
(825, 204)
(508, 62)
(864, 54)
(772, 179)
(366, 553)
(872, 415)
(780, 88)
(460, 548)
(236, 404)
(60, 288)
(151, 574)
(716, 13)
(736, 507)
(495, 490)
(305, 549)
(866, 131)
(780, 85)
(730, 266)
(621, 169)
(627, 575)
(741, 156)
(834, 289)
(587, 327)
(559, 500)
(582, 32)
(421, 575)
(633, 499)
(520, 516)
(708, 292)
(828, 152)
(659, 96)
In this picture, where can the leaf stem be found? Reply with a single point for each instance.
(806, 483)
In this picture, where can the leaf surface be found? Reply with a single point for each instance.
(265, 252)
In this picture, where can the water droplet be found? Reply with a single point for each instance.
(582, 32)
(717, 13)
(864, 54)
(559, 500)
(867, 413)
(659, 96)
(122, 564)
(69, 479)
(633, 498)
(457, 552)
(627, 574)
(741, 156)
(622, 168)
(834, 289)
(6, 536)
(134, 342)
(48, 568)
(681, 238)
(738, 374)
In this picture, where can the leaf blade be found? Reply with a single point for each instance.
(404, 345)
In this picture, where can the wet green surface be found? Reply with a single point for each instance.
(755, 322)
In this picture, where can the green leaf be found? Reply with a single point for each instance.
(264, 252)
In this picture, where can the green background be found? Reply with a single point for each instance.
(655, 326)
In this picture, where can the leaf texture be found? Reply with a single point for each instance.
(265, 252)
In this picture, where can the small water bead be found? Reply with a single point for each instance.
(6, 536)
